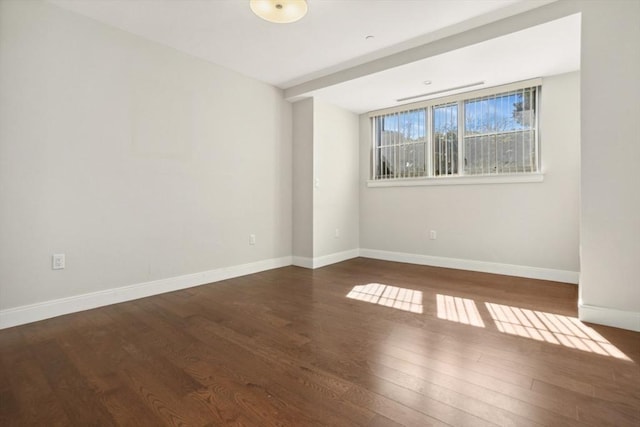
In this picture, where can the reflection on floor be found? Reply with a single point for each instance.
(388, 296)
(461, 310)
(552, 328)
(538, 325)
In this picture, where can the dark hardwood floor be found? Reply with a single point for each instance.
(362, 342)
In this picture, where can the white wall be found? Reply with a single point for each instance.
(136, 161)
(525, 224)
(610, 185)
(325, 184)
(335, 198)
(303, 178)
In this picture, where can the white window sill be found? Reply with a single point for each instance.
(457, 180)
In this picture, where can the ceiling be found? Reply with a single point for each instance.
(544, 50)
(332, 37)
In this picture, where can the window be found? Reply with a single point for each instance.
(445, 139)
(486, 133)
(401, 144)
(499, 133)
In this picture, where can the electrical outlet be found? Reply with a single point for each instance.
(433, 235)
(57, 262)
(337, 235)
(252, 239)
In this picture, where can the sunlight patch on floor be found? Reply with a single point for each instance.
(456, 309)
(552, 328)
(388, 296)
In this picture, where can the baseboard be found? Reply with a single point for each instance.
(334, 258)
(472, 265)
(325, 260)
(301, 261)
(609, 316)
(45, 310)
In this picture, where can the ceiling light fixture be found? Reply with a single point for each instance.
(440, 91)
(279, 11)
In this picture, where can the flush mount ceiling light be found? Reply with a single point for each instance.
(279, 11)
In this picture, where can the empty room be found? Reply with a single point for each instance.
(319, 213)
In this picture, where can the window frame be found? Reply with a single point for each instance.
(459, 178)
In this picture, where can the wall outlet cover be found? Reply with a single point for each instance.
(57, 262)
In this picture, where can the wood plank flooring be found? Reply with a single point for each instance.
(359, 343)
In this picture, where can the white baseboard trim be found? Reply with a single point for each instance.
(609, 317)
(45, 310)
(301, 261)
(472, 265)
(325, 260)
